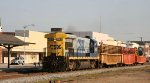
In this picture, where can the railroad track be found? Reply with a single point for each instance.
(41, 76)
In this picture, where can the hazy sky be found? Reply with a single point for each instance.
(122, 19)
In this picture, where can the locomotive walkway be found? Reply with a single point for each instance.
(52, 76)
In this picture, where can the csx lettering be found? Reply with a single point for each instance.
(55, 46)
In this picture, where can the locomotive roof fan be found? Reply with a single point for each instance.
(56, 30)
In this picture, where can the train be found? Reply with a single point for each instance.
(66, 51)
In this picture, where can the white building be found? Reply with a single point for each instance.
(100, 37)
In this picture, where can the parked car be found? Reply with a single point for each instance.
(18, 60)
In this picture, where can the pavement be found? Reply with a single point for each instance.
(4, 67)
(27, 66)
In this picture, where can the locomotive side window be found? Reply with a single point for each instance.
(91, 46)
(68, 43)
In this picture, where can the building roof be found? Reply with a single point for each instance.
(8, 33)
(6, 39)
(141, 42)
(10, 41)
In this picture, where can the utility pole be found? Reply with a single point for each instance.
(100, 25)
(141, 39)
(24, 34)
(0, 25)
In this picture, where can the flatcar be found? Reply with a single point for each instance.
(110, 55)
(128, 56)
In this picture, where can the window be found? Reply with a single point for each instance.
(58, 39)
(50, 39)
(53, 39)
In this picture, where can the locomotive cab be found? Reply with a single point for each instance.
(55, 44)
(55, 60)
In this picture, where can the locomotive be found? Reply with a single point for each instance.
(66, 51)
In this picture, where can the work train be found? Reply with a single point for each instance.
(66, 51)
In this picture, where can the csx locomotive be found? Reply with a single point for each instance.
(66, 51)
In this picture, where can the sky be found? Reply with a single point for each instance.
(122, 19)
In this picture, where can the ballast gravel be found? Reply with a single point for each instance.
(52, 76)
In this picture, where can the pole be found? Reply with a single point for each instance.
(100, 25)
(141, 39)
(0, 25)
(8, 56)
(24, 38)
(25, 35)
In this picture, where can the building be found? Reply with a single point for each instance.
(100, 37)
(32, 52)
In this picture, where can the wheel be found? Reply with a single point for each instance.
(120, 65)
(77, 65)
(53, 66)
(135, 64)
(72, 65)
(93, 64)
(62, 67)
(117, 65)
(100, 65)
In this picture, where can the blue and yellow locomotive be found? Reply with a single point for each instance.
(69, 52)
